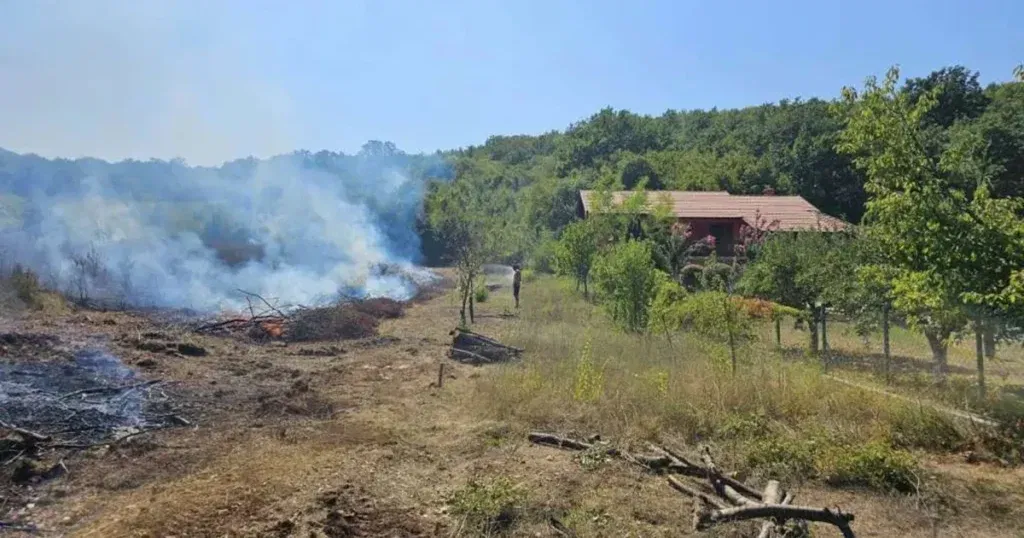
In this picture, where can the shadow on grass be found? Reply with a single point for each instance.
(874, 363)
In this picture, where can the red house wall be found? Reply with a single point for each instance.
(702, 228)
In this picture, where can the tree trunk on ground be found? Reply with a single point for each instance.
(885, 343)
(472, 315)
(979, 348)
(778, 332)
(586, 290)
(939, 343)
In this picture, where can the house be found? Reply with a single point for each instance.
(723, 215)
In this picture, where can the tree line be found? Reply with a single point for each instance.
(930, 170)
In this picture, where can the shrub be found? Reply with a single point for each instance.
(481, 292)
(488, 507)
(783, 457)
(626, 280)
(923, 428)
(707, 313)
(529, 275)
(542, 259)
(875, 465)
(26, 285)
(576, 251)
(664, 308)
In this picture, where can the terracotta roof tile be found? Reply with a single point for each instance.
(766, 212)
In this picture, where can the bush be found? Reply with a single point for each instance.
(626, 280)
(783, 457)
(875, 465)
(576, 251)
(543, 257)
(707, 313)
(481, 293)
(924, 428)
(25, 284)
(488, 507)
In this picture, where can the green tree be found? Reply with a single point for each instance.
(946, 243)
(786, 272)
(576, 251)
(459, 213)
(626, 281)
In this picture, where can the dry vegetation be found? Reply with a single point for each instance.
(354, 438)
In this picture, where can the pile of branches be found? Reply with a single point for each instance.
(718, 498)
(348, 319)
(267, 322)
(474, 348)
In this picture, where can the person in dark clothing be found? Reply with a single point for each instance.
(517, 278)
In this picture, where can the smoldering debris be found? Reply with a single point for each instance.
(348, 319)
(87, 400)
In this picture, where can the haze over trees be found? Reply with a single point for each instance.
(932, 168)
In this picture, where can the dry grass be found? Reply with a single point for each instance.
(582, 372)
(400, 458)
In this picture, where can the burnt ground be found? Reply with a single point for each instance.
(340, 438)
(241, 424)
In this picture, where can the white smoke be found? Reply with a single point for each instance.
(301, 228)
(137, 80)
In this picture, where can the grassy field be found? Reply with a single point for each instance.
(584, 374)
(354, 438)
(777, 417)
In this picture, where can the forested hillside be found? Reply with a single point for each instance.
(788, 147)
(527, 183)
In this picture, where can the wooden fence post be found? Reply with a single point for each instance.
(885, 342)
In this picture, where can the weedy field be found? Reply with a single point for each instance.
(356, 438)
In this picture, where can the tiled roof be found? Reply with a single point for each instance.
(784, 213)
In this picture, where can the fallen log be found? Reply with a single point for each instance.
(772, 495)
(732, 500)
(704, 519)
(477, 349)
(679, 486)
(469, 357)
(487, 339)
(558, 441)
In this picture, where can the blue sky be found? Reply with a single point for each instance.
(216, 80)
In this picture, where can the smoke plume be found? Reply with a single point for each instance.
(301, 227)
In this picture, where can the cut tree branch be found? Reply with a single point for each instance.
(708, 518)
(29, 435)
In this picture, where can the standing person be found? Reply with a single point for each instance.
(517, 278)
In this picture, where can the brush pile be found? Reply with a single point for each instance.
(718, 497)
(474, 348)
(346, 320)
